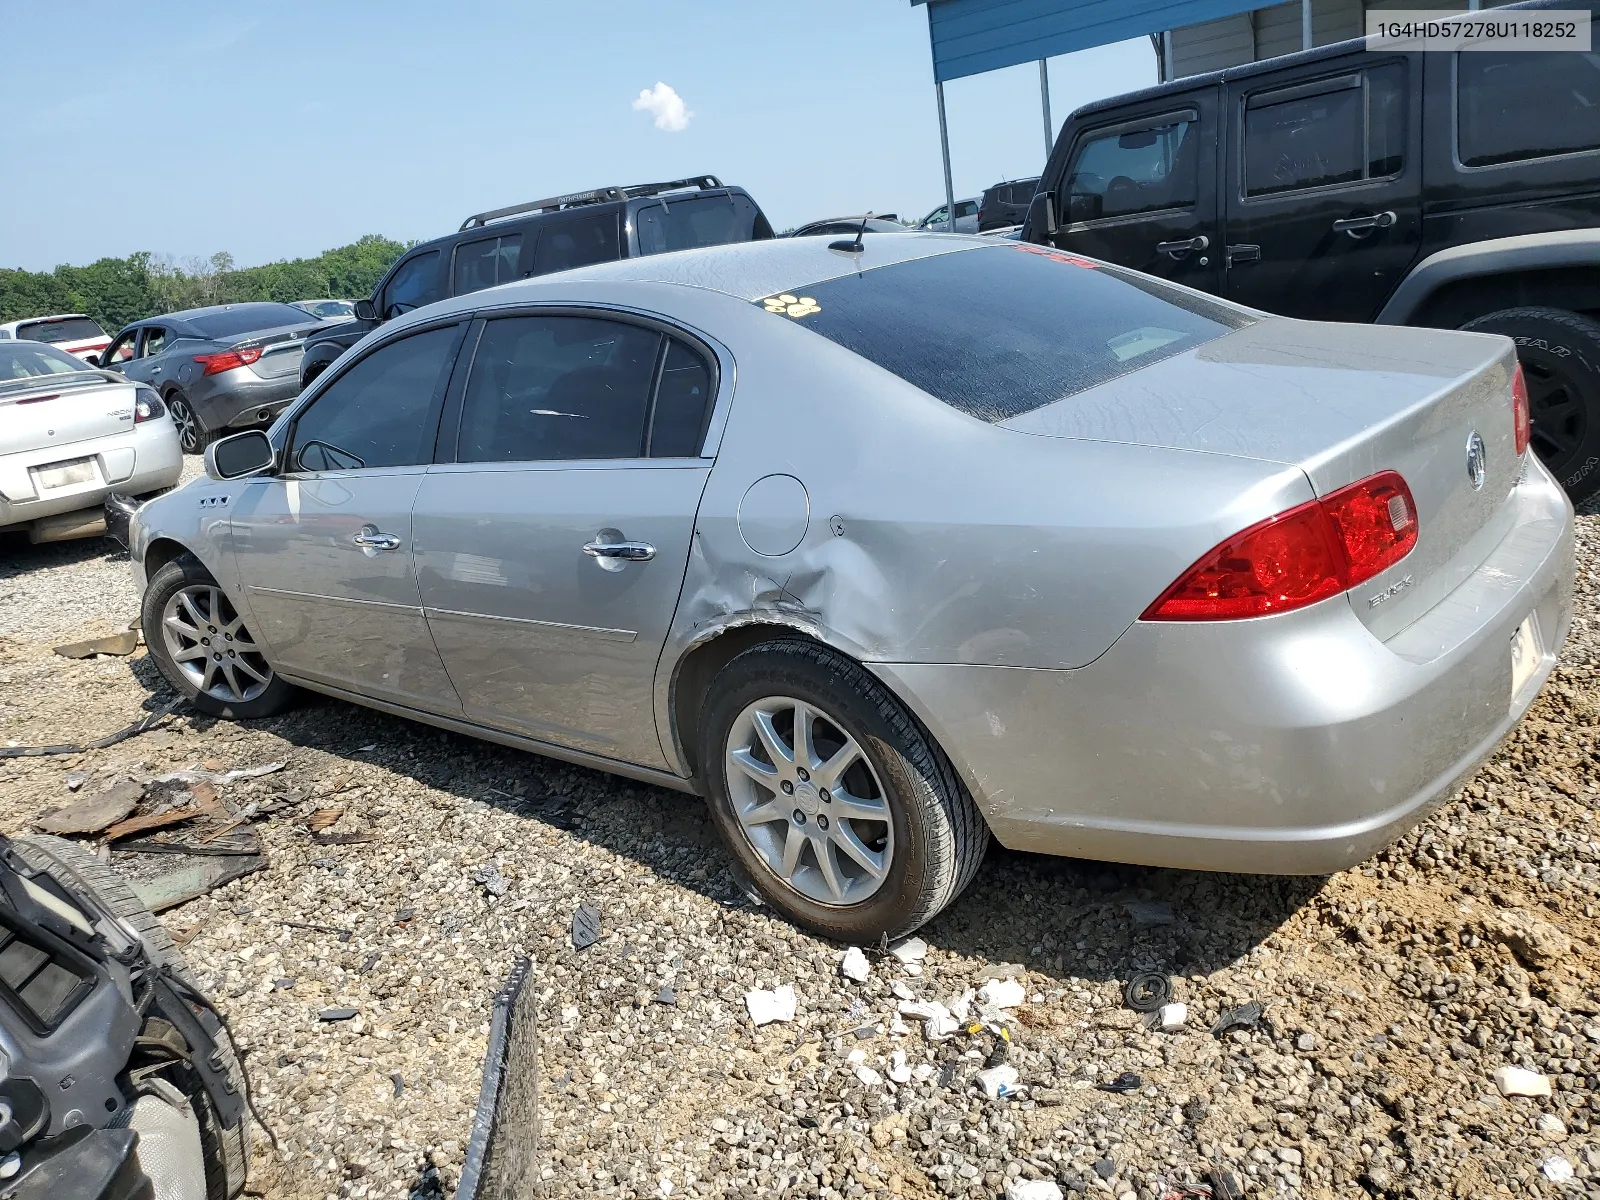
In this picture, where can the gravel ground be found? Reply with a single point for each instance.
(1393, 992)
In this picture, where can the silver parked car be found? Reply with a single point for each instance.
(225, 367)
(885, 552)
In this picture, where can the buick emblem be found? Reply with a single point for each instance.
(1477, 461)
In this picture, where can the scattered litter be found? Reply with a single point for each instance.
(342, 839)
(1514, 1081)
(200, 801)
(912, 950)
(961, 1004)
(1128, 1081)
(867, 1075)
(667, 996)
(1552, 1124)
(999, 1082)
(76, 780)
(997, 1055)
(1170, 1017)
(1150, 912)
(949, 1073)
(1002, 993)
(899, 1072)
(91, 814)
(323, 818)
(1557, 1169)
(854, 965)
(143, 725)
(585, 926)
(217, 866)
(1147, 992)
(489, 878)
(938, 1022)
(767, 1007)
(901, 990)
(221, 778)
(367, 749)
(342, 934)
(898, 1027)
(336, 1014)
(1224, 1184)
(399, 1084)
(1018, 1188)
(119, 644)
(1244, 1016)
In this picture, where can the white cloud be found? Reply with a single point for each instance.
(666, 106)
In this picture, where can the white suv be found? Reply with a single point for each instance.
(77, 334)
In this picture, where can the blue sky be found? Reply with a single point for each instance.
(279, 129)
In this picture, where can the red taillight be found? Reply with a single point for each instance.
(1313, 551)
(227, 360)
(1519, 409)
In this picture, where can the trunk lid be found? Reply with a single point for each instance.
(56, 411)
(281, 349)
(1341, 402)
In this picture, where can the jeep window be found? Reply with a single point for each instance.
(997, 331)
(1135, 171)
(577, 242)
(416, 283)
(700, 221)
(1327, 132)
(1514, 106)
(486, 262)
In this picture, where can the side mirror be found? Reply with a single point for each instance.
(1042, 215)
(243, 454)
(366, 311)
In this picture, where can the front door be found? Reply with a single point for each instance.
(1324, 188)
(1142, 191)
(324, 549)
(550, 554)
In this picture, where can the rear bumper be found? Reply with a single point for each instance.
(239, 398)
(141, 460)
(1294, 744)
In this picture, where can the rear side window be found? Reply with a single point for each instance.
(700, 221)
(486, 262)
(416, 283)
(965, 208)
(73, 329)
(1135, 171)
(247, 318)
(577, 242)
(683, 404)
(998, 331)
(1332, 131)
(1514, 106)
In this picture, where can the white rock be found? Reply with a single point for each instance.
(922, 1072)
(901, 990)
(767, 1007)
(858, 1055)
(913, 968)
(1557, 1169)
(998, 1081)
(1514, 1081)
(961, 1004)
(898, 1027)
(1550, 1123)
(1002, 993)
(899, 1072)
(940, 1028)
(1032, 1189)
(867, 1075)
(1172, 1016)
(663, 1186)
(854, 965)
(912, 950)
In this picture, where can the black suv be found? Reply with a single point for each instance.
(1436, 189)
(1006, 204)
(548, 235)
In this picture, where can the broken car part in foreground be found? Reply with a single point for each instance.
(1059, 552)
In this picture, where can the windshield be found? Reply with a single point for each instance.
(999, 331)
(28, 360)
(700, 221)
(61, 329)
(246, 318)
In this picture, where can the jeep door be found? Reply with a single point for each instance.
(1323, 186)
(1140, 189)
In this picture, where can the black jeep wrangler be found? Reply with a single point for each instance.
(554, 234)
(1458, 191)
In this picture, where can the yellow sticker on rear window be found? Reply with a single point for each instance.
(794, 306)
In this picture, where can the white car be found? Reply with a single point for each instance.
(69, 436)
(77, 334)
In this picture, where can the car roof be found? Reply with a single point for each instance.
(189, 314)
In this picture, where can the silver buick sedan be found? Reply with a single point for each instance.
(885, 547)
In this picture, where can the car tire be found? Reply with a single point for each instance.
(1560, 356)
(918, 858)
(234, 680)
(226, 1151)
(192, 435)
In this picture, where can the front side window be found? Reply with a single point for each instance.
(1135, 171)
(416, 283)
(577, 242)
(484, 263)
(545, 388)
(121, 350)
(1320, 134)
(700, 221)
(1514, 106)
(997, 331)
(377, 414)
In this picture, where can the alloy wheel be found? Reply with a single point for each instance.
(188, 426)
(809, 801)
(209, 643)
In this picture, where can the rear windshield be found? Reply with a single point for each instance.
(71, 329)
(700, 221)
(246, 318)
(999, 331)
(29, 361)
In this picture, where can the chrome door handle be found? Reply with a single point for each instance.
(1361, 226)
(1179, 248)
(371, 539)
(627, 551)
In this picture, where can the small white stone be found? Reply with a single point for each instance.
(1514, 1081)
(1550, 1123)
(858, 1055)
(767, 1007)
(1172, 1016)
(1290, 1155)
(867, 1075)
(1018, 1188)
(998, 1081)
(1002, 993)
(922, 1072)
(899, 1072)
(913, 968)
(901, 990)
(854, 965)
(912, 950)
(898, 1027)
(1557, 1169)
(664, 1186)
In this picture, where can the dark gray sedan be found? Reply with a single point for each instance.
(226, 367)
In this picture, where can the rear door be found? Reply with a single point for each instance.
(1140, 189)
(551, 552)
(575, 239)
(1324, 186)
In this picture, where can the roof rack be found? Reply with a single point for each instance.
(596, 196)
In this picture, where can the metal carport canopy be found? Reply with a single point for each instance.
(970, 37)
